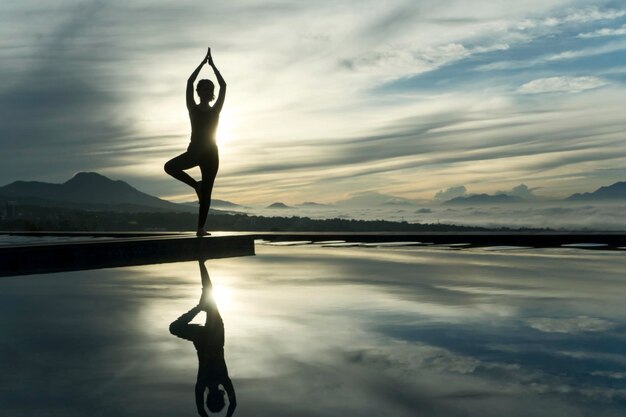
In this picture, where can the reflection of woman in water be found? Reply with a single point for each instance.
(209, 343)
(202, 150)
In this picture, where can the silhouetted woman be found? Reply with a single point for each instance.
(209, 343)
(202, 150)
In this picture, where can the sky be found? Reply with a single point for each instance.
(326, 99)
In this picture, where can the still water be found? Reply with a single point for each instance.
(315, 331)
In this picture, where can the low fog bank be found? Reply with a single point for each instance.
(554, 215)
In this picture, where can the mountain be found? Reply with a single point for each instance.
(278, 205)
(372, 198)
(312, 204)
(397, 202)
(87, 190)
(484, 199)
(224, 204)
(615, 191)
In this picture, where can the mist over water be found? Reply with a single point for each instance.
(554, 215)
(320, 331)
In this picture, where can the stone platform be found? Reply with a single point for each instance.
(92, 250)
(117, 250)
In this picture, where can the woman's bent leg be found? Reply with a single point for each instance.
(176, 166)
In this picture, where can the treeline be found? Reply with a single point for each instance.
(36, 218)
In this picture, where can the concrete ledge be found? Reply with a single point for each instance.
(74, 256)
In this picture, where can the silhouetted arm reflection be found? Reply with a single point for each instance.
(209, 343)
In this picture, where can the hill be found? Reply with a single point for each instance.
(87, 190)
(278, 205)
(312, 204)
(215, 203)
(615, 191)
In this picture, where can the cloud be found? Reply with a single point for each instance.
(449, 193)
(585, 52)
(553, 57)
(405, 62)
(586, 15)
(100, 87)
(521, 191)
(604, 32)
(561, 84)
(58, 111)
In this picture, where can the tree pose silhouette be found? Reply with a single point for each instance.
(202, 151)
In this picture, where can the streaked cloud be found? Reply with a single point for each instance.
(561, 84)
(604, 32)
(325, 98)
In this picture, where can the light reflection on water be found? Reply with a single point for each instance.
(328, 331)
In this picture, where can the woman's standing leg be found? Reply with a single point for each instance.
(208, 167)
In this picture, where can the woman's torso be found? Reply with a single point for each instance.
(203, 126)
(210, 349)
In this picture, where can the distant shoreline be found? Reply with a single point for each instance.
(38, 218)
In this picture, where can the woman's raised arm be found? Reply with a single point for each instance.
(220, 80)
(192, 78)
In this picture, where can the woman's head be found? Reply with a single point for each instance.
(206, 90)
(215, 400)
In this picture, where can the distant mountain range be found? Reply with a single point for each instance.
(372, 198)
(484, 199)
(91, 191)
(615, 191)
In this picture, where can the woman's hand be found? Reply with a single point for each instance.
(209, 58)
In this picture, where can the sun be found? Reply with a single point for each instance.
(226, 126)
(223, 297)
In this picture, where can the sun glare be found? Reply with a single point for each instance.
(226, 127)
(223, 297)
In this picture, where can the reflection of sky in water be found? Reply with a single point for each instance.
(328, 331)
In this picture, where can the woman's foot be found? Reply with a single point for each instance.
(202, 232)
(198, 188)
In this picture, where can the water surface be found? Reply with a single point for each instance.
(321, 331)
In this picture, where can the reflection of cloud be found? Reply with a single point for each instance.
(512, 292)
(609, 374)
(570, 325)
(343, 329)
